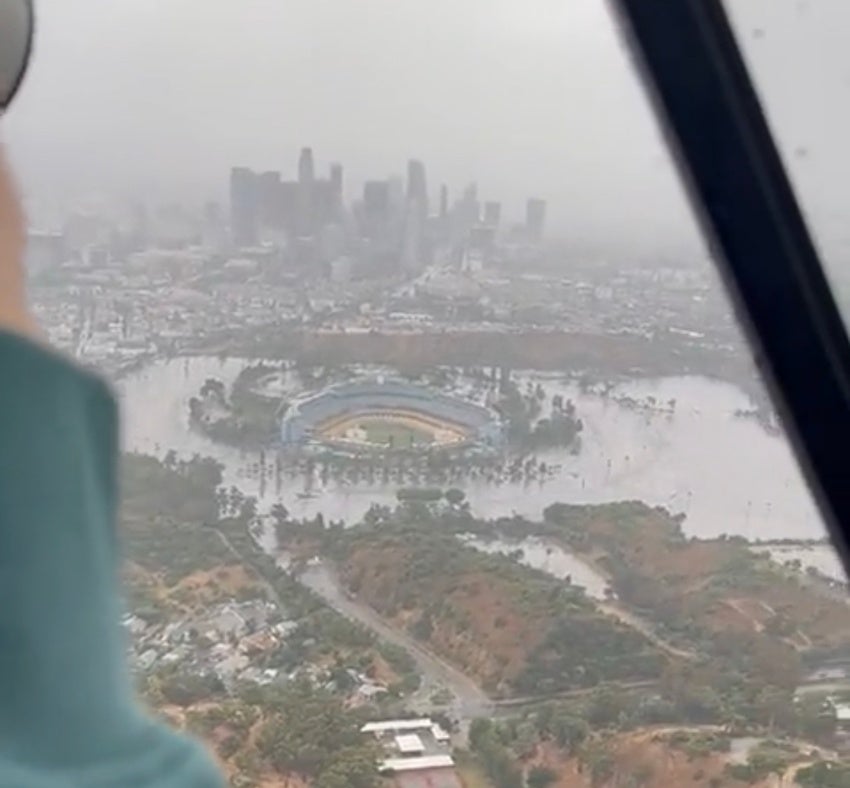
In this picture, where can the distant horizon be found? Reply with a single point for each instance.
(157, 100)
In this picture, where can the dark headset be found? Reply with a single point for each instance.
(17, 27)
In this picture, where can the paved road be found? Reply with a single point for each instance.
(470, 700)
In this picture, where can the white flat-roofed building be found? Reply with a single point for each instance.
(414, 746)
(395, 726)
(409, 744)
(418, 762)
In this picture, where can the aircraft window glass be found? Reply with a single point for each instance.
(434, 407)
(797, 57)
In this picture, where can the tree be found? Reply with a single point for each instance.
(455, 496)
(525, 739)
(568, 730)
(814, 720)
(214, 388)
(311, 733)
(184, 689)
(280, 513)
(605, 705)
(826, 774)
(480, 731)
(248, 510)
(540, 777)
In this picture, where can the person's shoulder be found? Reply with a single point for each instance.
(36, 362)
(157, 757)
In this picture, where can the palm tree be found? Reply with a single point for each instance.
(280, 513)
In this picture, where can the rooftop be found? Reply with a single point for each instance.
(409, 743)
(406, 751)
(419, 762)
(396, 725)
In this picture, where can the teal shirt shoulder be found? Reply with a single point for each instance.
(68, 715)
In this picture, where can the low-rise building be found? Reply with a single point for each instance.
(416, 752)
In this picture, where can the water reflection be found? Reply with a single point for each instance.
(821, 557)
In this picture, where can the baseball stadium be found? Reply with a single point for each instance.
(381, 414)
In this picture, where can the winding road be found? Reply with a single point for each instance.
(470, 700)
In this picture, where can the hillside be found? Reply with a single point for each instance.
(563, 747)
(668, 758)
(514, 630)
(706, 594)
(184, 565)
(290, 737)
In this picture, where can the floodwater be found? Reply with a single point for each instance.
(725, 473)
(821, 556)
(547, 557)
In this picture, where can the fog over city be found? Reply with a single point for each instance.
(444, 460)
(158, 97)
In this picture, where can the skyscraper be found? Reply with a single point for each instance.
(336, 178)
(243, 206)
(336, 199)
(269, 200)
(417, 187)
(467, 212)
(492, 214)
(415, 217)
(306, 224)
(289, 204)
(376, 208)
(306, 168)
(413, 247)
(535, 218)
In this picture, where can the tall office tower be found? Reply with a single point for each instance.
(306, 224)
(417, 187)
(336, 186)
(243, 206)
(290, 192)
(467, 212)
(376, 209)
(492, 214)
(535, 218)
(336, 178)
(395, 186)
(269, 200)
(306, 167)
(444, 200)
(413, 247)
(415, 217)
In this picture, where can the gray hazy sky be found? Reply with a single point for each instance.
(527, 97)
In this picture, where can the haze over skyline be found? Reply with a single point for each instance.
(537, 98)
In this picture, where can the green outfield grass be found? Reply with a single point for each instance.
(398, 436)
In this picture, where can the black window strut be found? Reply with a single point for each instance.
(738, 187)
